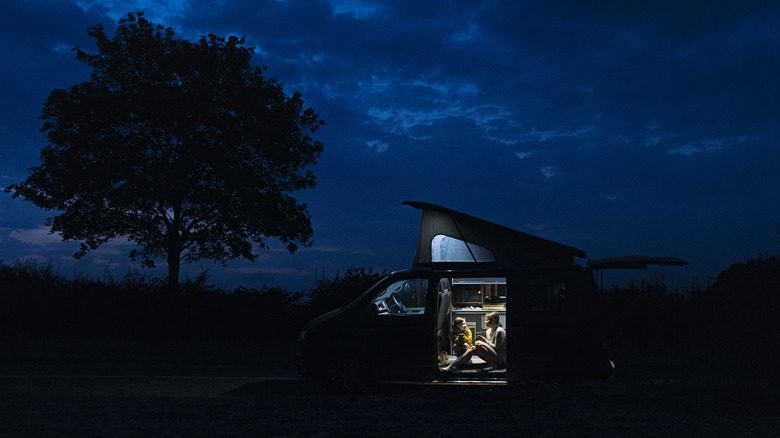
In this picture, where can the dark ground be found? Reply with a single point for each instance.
(116, 406)
(111, 389)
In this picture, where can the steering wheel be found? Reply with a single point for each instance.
(398, 304)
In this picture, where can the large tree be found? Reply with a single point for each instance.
(183, 148)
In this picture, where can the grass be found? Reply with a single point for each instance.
(190, 352)
(219, 407)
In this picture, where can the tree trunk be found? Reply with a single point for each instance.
(174, 265)
(174, 249)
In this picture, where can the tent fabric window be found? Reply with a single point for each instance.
(449, 249)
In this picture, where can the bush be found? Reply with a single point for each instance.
(728, 329)
(328, 294)
(36, 302)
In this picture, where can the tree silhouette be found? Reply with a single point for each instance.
(183, 148)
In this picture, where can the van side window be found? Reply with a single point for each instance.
(405, 297)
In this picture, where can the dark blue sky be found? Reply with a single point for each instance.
(642, 127)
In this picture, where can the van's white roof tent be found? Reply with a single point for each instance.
(450, 237)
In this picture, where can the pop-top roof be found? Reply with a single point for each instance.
(451, 237)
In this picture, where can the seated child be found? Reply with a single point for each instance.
(461, 337)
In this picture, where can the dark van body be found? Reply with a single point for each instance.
(401, 328)
(470, 278)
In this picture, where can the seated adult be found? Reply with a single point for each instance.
(490, 348)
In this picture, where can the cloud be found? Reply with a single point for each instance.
(252, 270)
(612, 197)
(377, 146)
(469, 34)
(549, 171)
(536, 228)
(524, 155)
(653, 140)
(541, 136)
(399, 120)
(119, 246)
(63, 49)
(166, 11)
(36, 236)
(691, 149)
(322, 248)
(359, 9)
(708, 145)
(34, 258)
(41, 236)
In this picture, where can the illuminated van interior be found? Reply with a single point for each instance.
(471, 298)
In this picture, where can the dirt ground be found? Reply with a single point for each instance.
(249, 406)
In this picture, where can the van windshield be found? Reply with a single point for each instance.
(402, 297)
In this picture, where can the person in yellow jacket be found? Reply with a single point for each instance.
(461, 337)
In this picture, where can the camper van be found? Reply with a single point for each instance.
(530, 311)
